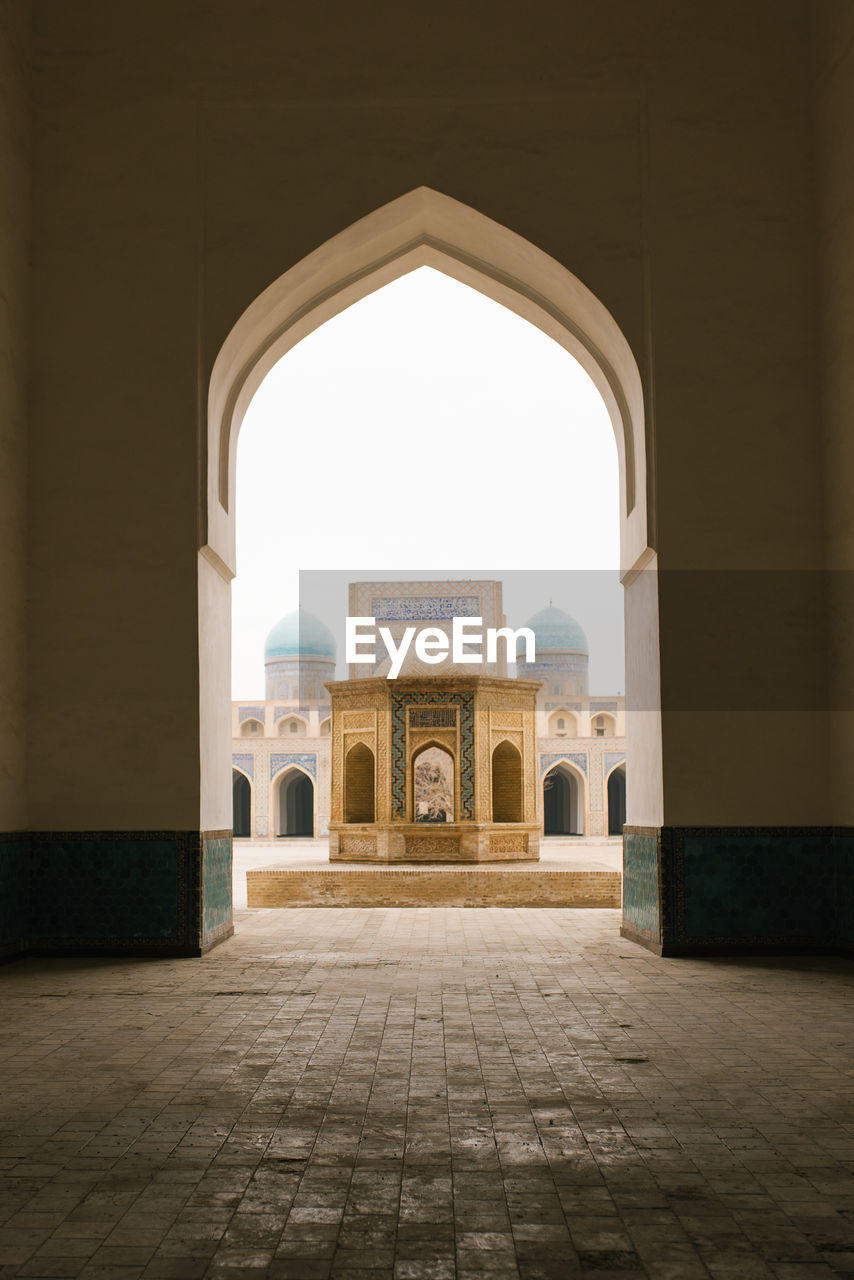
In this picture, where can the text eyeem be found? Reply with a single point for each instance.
(433, 645)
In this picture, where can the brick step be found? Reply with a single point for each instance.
(431, 886)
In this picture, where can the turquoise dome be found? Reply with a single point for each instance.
(556, 631)
(300, 634)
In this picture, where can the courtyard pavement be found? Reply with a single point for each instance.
(392, 1094)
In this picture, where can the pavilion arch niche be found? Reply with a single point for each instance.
(425, 228)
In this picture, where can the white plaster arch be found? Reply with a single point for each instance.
(581, 782)
(610, 723)
(621, 764)
(424, 228)
(282, 774)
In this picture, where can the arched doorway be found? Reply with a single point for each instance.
(563, 802)
(359, 784)
(617, 800)
(426, 228)
(506, 783)
(241, 805)
(295, 807)
(433, 785)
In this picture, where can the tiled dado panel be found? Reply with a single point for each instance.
(14, 892)
(131, 892)
(730, 889)
(641, 914)
(843, 840)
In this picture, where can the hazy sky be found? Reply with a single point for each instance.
(424, 430)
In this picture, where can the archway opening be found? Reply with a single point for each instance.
(506, 783)
(433, 785)
(563, 802)
(295, 816)
(359, 802)
(617, 801)
(241, 805)
(426, 229)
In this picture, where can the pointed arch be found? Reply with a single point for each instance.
(359, 784)
(294, 801)
(425, 228)
(564, 800)
(506, 783)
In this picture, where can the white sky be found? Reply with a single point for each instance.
(429, 431)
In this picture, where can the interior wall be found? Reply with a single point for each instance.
(834, 73)
(14, 252)
(662, 153)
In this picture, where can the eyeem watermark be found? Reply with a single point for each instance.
(433, 645)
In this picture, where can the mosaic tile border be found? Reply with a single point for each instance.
(830, 903)
(399, 704)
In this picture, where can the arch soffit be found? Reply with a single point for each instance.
(566, 766)
(235, 768)
(505, 742)
(424, 228)
(285, 774)
(619, 767)
(432, 745)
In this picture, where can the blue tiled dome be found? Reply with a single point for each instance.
(556, 631)
(300, 634)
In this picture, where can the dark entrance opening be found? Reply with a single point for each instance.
(617, 802)
(241, 805)
(296, 805)
(560, 803)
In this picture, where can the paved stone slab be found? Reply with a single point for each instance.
(341, 1092)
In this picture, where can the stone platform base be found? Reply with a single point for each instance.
(431, 886)
(422, 842)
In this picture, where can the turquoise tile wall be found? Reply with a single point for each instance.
(756, 886)
(640, 881)
(145, 892)
(14, 892)
(100, 887)
(843, 840)
(216, 884)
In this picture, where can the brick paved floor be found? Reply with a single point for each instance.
(427, 1093)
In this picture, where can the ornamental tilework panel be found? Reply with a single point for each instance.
(244, 760)
(285, 760)
(14, 891)
(216, 883)
(578, 758)
(114, 887)
(250, 713)
(640, 881)
(399, 704)
(424, 608)
(613, 758)
(756, 886)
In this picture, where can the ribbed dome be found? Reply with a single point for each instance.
(556, 631)
(300, 634)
